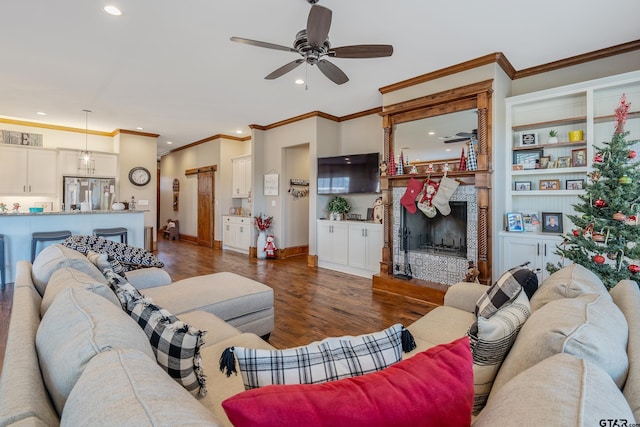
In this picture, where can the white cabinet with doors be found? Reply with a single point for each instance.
(28, 170)
(536, 249)
(350, 246)
(106, 164)
(241, 176)
(236, 233)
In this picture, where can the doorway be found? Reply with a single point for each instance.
(206, 198)
(296, 203)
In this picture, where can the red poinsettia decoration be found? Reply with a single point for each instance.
(263, 222)
(621, 113)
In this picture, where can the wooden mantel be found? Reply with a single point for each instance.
(478, 96)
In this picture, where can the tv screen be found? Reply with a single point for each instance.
(357, 173)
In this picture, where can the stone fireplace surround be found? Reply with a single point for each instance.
(439, 268)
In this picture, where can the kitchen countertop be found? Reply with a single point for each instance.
(69, 213)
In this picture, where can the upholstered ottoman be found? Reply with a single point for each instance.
(239, 301)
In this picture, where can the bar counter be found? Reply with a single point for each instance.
(17, 229)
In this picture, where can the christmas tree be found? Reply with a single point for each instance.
(607, 232)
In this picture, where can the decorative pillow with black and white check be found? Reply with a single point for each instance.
(175, 344)
(321, 361)
(506, 289)
(130, 257)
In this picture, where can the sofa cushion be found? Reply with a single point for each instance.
(506, 289)
(126, 388)
(561, 391)
(432, 388)
(129, 256)
(327, 360)
(568, 282)
(491, 340)
(77, 326)
(56, 256)
(589, 326)
(176, 345)
(68, 277)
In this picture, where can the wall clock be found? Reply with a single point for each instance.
(139, 176)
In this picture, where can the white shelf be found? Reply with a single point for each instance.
(547, 193)
(550, 171)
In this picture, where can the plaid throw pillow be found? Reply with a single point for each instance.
(321, 361)
(175, 344)
(506, 289)
(491, 339)
(126, 293)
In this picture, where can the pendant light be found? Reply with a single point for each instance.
(86, 161)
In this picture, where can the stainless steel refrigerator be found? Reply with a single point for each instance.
(83, 193)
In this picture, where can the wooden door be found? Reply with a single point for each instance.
(205, 207)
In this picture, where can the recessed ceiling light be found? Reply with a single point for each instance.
(448, 149)
(238, 131)
(112, 10)
(169, 142)
(41, 113)
(299, 82)
(139, 128)
(431, 133)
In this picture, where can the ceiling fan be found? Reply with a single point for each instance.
(313, 45)
(461, 136)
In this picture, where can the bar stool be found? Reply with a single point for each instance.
(107, 232)
(46, 236)
(2, 258)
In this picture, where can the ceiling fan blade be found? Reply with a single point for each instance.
(332, 72)
(362, 51)
(472, 134)
(262, 44)
(318, 24)
(284, 69)
(450, 141)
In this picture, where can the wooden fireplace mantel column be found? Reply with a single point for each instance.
(476, 95)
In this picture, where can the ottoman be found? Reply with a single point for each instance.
(239, 301)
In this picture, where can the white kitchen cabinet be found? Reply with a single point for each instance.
(28, 170)
(537, 249)
(241, 176)
(350, 246)
(365, 246)
(236, 233)
(333, 242)
(106, 164)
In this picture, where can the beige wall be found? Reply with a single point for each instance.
(296, 209)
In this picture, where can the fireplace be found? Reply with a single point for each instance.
(445, 235)
(437, 249)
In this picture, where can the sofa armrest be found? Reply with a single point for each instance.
(464, 296)
(151, 277)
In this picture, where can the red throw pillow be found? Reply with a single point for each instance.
(433, 388)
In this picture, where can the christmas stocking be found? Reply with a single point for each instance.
(408, 200)
(425, 204)
(445, 191)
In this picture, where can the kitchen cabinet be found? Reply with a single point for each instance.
(236, 233)
(536, 249)
(352, 247)
(28, 171)
(106, 164)
(241, 176)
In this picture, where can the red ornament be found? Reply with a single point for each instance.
(576, 233)
(632, 154)
(598, 158)
(600, 203)
(598, 259)
(633, 268)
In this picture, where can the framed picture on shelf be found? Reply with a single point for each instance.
(549, 184)
(579, 157)
(575, 184)
(528, 158)
(531, 221)
(522, 186)
(563, 162)
(552, 222)
(544, 162)
(514, 222)
(528, 138)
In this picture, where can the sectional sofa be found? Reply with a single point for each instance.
(575, 360)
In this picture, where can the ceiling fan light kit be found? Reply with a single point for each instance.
(313, 45)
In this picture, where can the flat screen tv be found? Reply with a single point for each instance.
(357, 173)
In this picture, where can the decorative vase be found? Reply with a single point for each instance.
(552, 140)
(339, 216)
(262, 242)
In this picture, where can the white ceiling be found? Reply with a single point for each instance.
(169, 67)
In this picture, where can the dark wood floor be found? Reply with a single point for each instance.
(310, 303)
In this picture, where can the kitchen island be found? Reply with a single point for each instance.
(17, 229)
